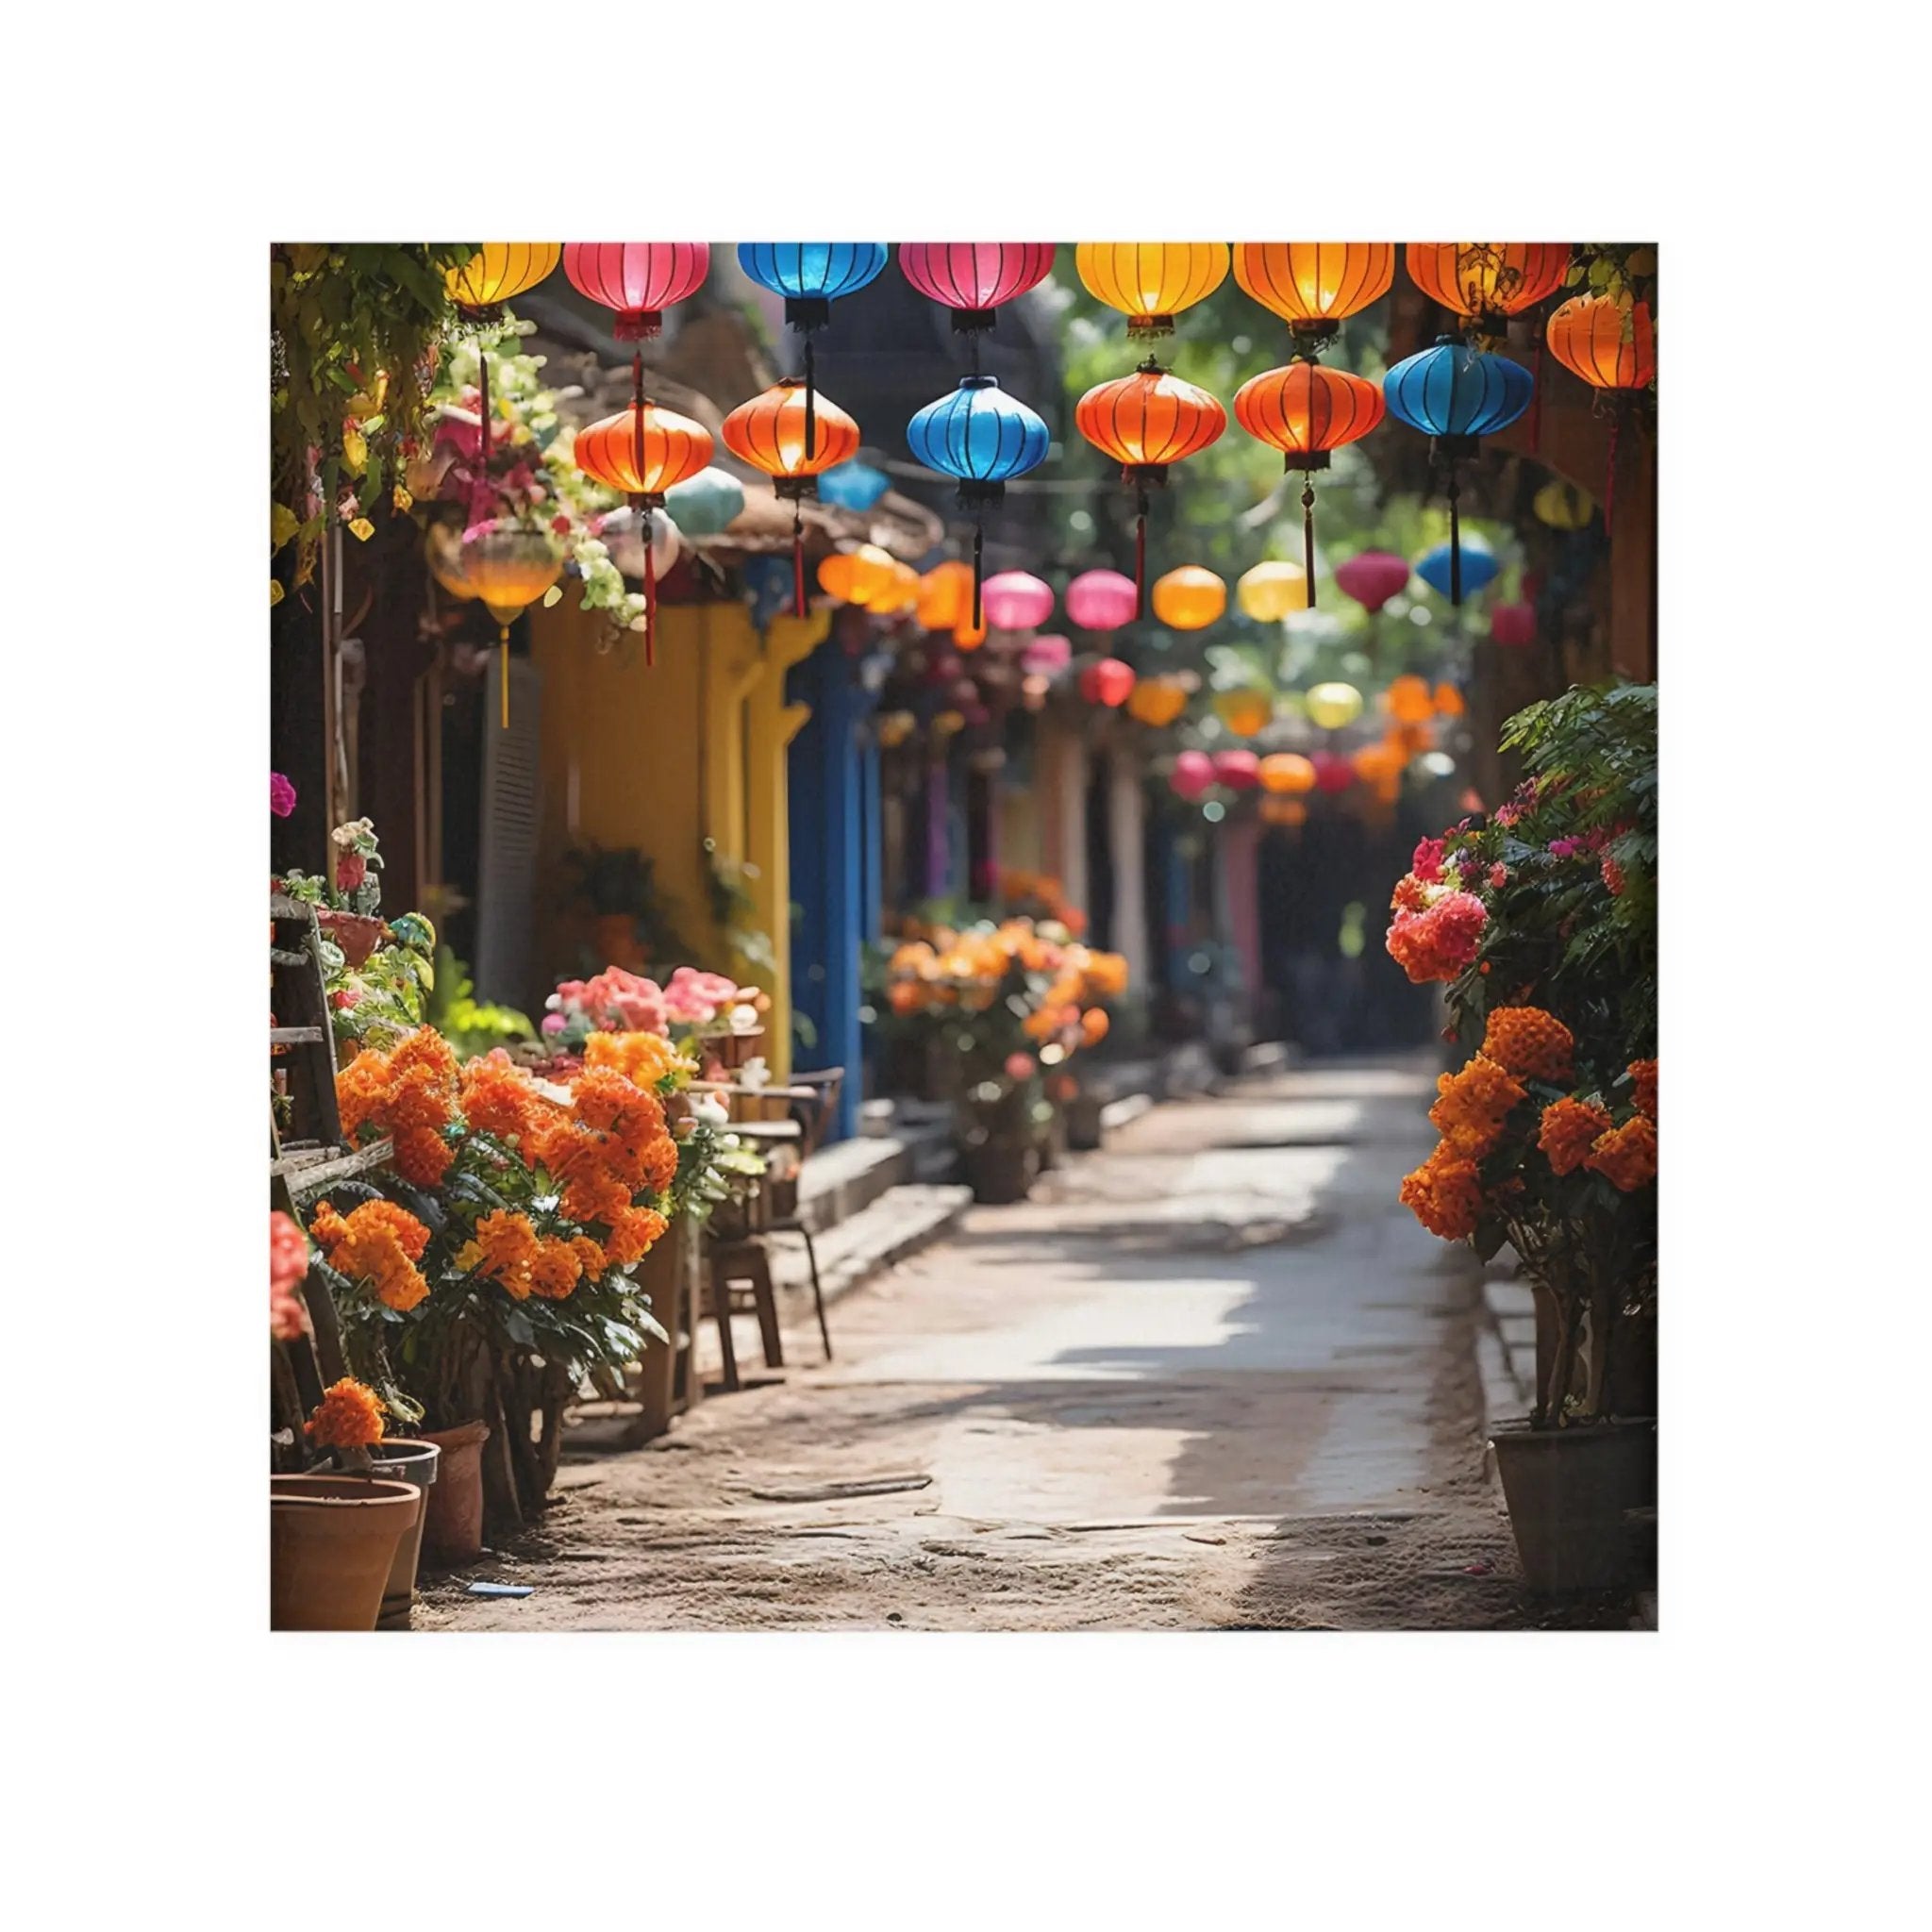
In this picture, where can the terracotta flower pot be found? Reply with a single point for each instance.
(332, 1540)
(404, 1461)
(356, 933)
(1001, 1168)
(453, 1523)
(1569, 1492)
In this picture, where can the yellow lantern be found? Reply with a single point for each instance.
(1149, 281)
(1332, 706)
(1270, 590)
(1246, 713)
(1189, 598)
(1156, 701)
(1286, 772)
(1562, 505)
(499, 271)
(1409, 701)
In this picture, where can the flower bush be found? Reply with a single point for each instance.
(689, 1006)
(288, 1264)
(349, 1416)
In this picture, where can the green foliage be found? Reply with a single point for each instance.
(735, 911)
(471, 1027)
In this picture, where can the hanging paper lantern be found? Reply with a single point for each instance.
(1610, 347)
(1379, 762)
(638, 279)
(1014, 600)
(706, 504)
(812, 275)
(857, 577)
(1047, 656)
(1314, 286)
(1101, 600)
(1285, 811)
(1306, 413)
(1456, 395)
(1488, 281)
(1562, 505)
(1270, 590)
(968, 635)
(900, 593)
(621, 530)
(983, 436)
(1189, 598)
(944, 593)
(1437, 567)
(1409, 702)
(1333, 772)
(1151, 282)
(973, 278)
(1286, 771)
(1156, 701)
(1514, 625)
(769, 433)
(497, 273)
(506, 568)
(1239, 770)
(1332, 706)
(1106, 682)
(1372, 577)
(1246, 713)
(1193, 775)
(1146, 422)
(853, 486)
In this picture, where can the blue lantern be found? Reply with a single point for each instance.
(768, 587)
(1456, 394)
(1437, 567)
(982, 436)
(810, 276)
(853, 486)
(704, 505)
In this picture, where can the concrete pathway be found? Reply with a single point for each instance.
(1213, 1378)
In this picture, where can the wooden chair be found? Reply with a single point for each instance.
(815, 1103)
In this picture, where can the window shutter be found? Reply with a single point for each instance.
(507, 849)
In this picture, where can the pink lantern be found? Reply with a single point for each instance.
(1239, 771)
(973, 278)
(1333, 772)
(1108, 682)
(1193, 775)
(1372, 577)
(1514, 625)
(638, 279)
(1048, 655)
(1101, 600)
(1015, 600)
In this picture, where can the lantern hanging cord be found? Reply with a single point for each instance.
(1455, 538)
(502, 670)
(640, 508)
(797, 558)
(978, 564)
(811, 415)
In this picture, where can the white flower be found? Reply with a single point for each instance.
(710, 1111)
(755, 1074)
(746, 1019)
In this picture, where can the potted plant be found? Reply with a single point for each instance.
(1541, 923)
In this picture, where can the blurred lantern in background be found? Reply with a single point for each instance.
(1314, 286)
(1610, 347)
(1372, 577)
(853, 486)
(856, 576)
(1046, 656)
(812, 275)
(1333, 772)
(638, 279)
(1270, 590)
(706, 504)
(983, 438)
(895, 727)
(1106, 682)
(968, 635)
(1562, 505)
(1239, 770)
(901, 593)
(1409, 702)
(973, 278)
(1306, 413)
(1246, 713)
(1016, 600)
(1285, 811)
(944, 594)
(769, 433)
(1288, 772)
(1379, 762)
(1456, 395)
(1437, 567)
(1193, 775)
(1146, 422)
(1449, 701)
(1151, 282)
(1332, 706)
(621, 531)
(1101, 600)
(1156, 701)
(1189, 598)
(1514, 625)
(1487, 282)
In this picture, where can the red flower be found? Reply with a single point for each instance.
(1427, 863)
(1613, 876)
(351, 870)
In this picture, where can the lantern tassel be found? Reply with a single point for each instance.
(1308, 538)
(811, 415)
(503, 669)
(1140, 554)
(797, 562)
(1454, 542)
(978, 562)
(650, 597)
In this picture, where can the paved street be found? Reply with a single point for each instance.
(1214, 1377)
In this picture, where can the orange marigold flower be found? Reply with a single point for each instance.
(633, 1233)
(1643, 1082)
(1570, 1127)
(1526, 1040)
(591, 1257)
(1445, 1194)
(1473, 1106)
(505, 1247)
(643, 1058)
(349, 1416)
(1626, 1156)
(359, 1087)
(500, 1098)
(553, 1272)
(378, 1244)
(422, 1156)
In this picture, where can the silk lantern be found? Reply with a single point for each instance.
(856, 576)
(1514, 625)
(638, 279)
(1314, 286)
(769, 433)
(1610, 347)
(973, 278)
(1372, 577)
(1151, 282)
(1246, 713)
(1409, 702)
(1101, 600)
(1449, 701)
(1487, 282)
(1286, 772)
(1046, 656)
(706, 504)
(1333, 772)
(853, 486)
(1456, 395)
(1147, 422)
(900, 593)
(944, 591)
(642, 453)
(812, 275)
(1016, 600)
(1189, 598)
(1270, 590)
(1285, 811)
(1193, 775)
(1239, 770)
(1437, 568)
(1106, 682)
(506, 569)
(1332, 706)
(1156, 701)
(1307, 412)
(984, 438)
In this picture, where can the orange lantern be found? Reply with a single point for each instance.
(1156, 701)
(1286, 772)
(1449, 702)
(1246, 713)
(1150, 282)
(1377, 764)
(1610, 347)
(1189, 598)
(857, 577)
(967, 635)
(1285, 811)
(1488, 281)
(1409, 702)
(1314, 286)
(1145, 422)
(943, 592)
(768, 433)
(900, 593)
(506, 569)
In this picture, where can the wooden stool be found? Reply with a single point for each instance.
(746, 1262)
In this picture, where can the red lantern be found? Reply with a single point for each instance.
(973, 278)
(1333, 772)
(1106, 682)
(1372, 577)
(638, 279)
(1514, 625)
(1239, 771)
(1193, 775)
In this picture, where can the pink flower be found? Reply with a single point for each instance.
(351, 870)
(1438, 943)
(1499, 875)
(694, 997)
(1562, 848)
(553, 1022)
(281, 795)
(1019, 1066)
(1427, 862)
(621, 1000)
